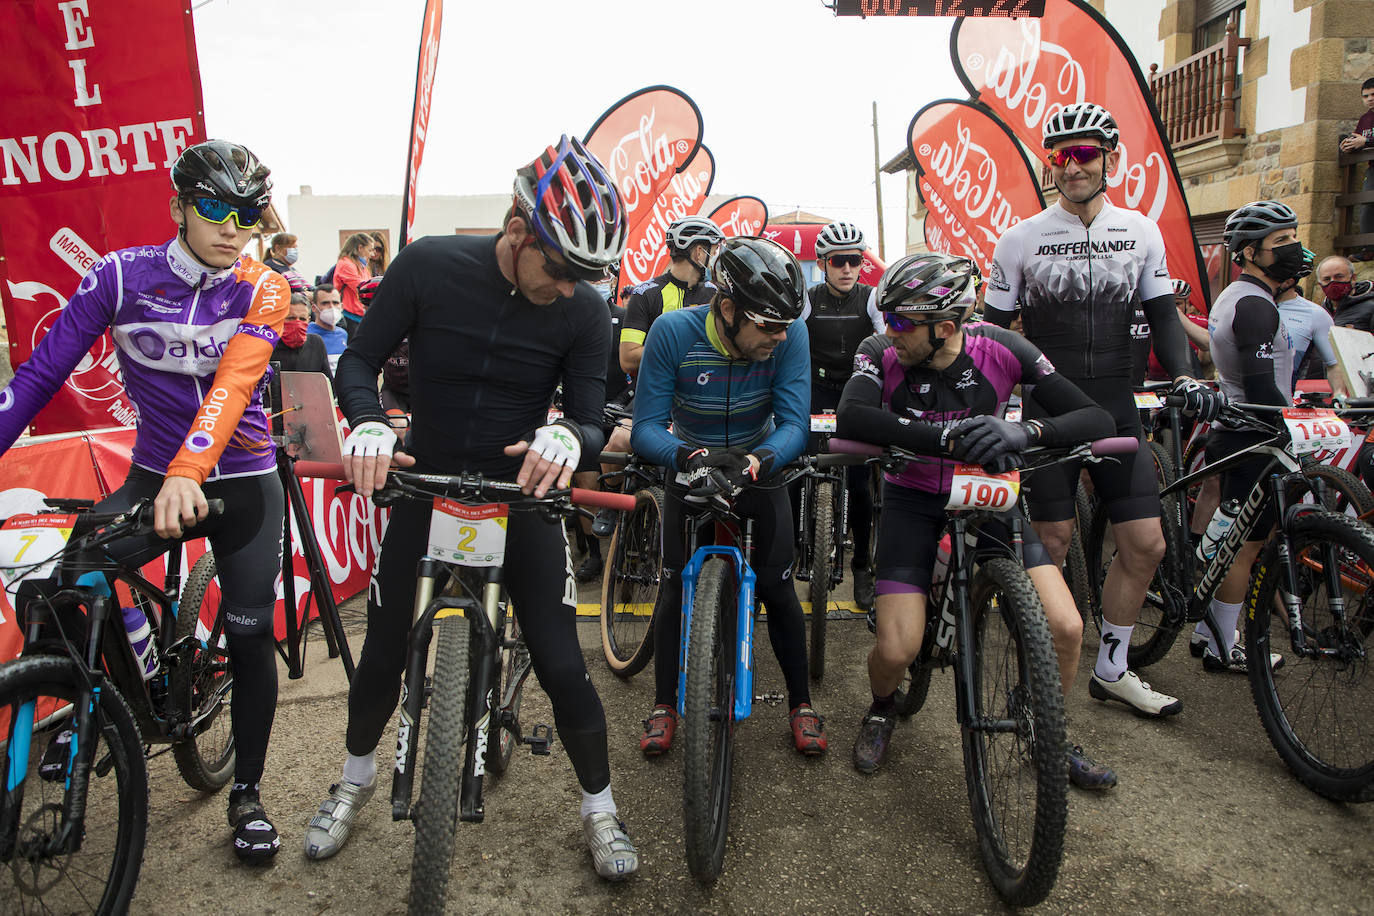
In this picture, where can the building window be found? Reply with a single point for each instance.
(1212, 17)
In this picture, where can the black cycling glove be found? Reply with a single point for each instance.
(1199, 400)
(982, 440)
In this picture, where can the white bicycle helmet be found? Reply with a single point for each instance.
(838, 236)
(573, 206)
(1082, 119)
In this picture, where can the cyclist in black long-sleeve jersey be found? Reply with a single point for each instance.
(495, 324)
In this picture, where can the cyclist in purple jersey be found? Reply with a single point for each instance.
(935, 386)
(194, 323)
(1077, 271)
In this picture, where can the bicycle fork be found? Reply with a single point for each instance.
(744, 627)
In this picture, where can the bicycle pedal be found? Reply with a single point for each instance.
(772, 699)
(540, 739)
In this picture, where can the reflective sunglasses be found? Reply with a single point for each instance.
(1080, 154)
(767, 325)
(571, 273)
(218, 211)
(846, 260)
(903, 325)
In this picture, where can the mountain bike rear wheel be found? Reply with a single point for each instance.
(822, 562)
(629, 589)
(199, 686)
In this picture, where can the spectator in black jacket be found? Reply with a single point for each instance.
(298, 351)
(1349, 300)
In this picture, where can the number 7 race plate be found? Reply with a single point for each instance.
(468, 535)
(975, 488)
(28, 540)
(1315, 429)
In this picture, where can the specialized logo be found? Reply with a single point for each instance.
(704, 379)
(1114, 643)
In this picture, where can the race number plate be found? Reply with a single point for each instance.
(822, 422)
(1012, 413)
(468, 535)
(1316, 429)
(975, 488)
(29, 545)
(1147, 400)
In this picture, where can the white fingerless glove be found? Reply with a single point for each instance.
(558, 444)
(369, 440)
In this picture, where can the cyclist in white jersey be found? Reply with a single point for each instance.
(1077, 271)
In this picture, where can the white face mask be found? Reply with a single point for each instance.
(291, 255)
(330, 317)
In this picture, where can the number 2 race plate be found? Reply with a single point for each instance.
(26, 541)
(1316, 429)
(975, 488)
(468, 535)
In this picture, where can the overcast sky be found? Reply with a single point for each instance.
(322, 90)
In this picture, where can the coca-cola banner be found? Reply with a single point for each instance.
(646, 250)
(1025, 70)
(419, 118)
(970, 167)
(100, 97)
(800, 239)
(740, 216)
(647, 141)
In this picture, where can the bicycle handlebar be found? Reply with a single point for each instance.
(1099, 448)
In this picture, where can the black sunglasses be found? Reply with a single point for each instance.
(846, 260)
(565, 272)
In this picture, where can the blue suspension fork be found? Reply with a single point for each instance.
(744, 628)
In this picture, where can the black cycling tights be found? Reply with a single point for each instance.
(538, 576)
(246, 540)
(772, 564)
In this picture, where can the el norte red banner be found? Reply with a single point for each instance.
(1026, 70)
(647, 141)
(972, 177)
(101, 96)
(419, 118)
(740, 216)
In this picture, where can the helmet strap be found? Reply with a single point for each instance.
(515, 261)
(936, 343)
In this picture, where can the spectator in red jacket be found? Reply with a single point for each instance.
(1363, 138)
(352, 269)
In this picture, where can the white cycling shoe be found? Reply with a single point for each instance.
(1135, 693)
(613, 853)
(329, 828)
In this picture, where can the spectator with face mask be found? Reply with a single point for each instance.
(328, 315)
(1350, 301)
(282, 253)
(298, 350)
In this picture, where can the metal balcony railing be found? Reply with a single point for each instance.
(1197, 97)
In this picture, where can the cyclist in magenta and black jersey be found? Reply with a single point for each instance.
(935, 386)
(1077, 271)
(194, 323)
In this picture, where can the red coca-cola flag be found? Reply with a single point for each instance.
(646, 251)
(971, 170)
(101, 96)
(1025, 70)
(419, 118)
(646, 140)
(740, 216)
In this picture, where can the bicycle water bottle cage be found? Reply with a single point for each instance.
(540, 739)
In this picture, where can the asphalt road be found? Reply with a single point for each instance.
(1205, 819)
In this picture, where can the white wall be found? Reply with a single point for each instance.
(1280, 105)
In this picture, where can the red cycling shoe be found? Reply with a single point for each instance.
(658, 731)
(808, 731)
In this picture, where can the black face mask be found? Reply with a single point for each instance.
(1288, 262)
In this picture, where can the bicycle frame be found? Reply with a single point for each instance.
(744, 610)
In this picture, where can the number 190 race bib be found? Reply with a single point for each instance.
(468, 535)
(975, 488)
(1315, 429)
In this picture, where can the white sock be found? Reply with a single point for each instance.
(1226, 616)
(1111, 652)
(597, 802)
(360, 771)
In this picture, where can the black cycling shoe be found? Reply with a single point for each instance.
(870, 748)
(604, 523)
(590, 568)
(1087, 773)
(864, 594)
(255, 839)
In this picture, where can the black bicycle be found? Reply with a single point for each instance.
(822, 520)
(76, 710)
(986, 620)
(480, 664)
(634, 568)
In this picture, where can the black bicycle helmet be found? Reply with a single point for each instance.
(929, 285)
(688, 231)
(222, 170)
(1082, 119)
(762, 276)
(1250, 224)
